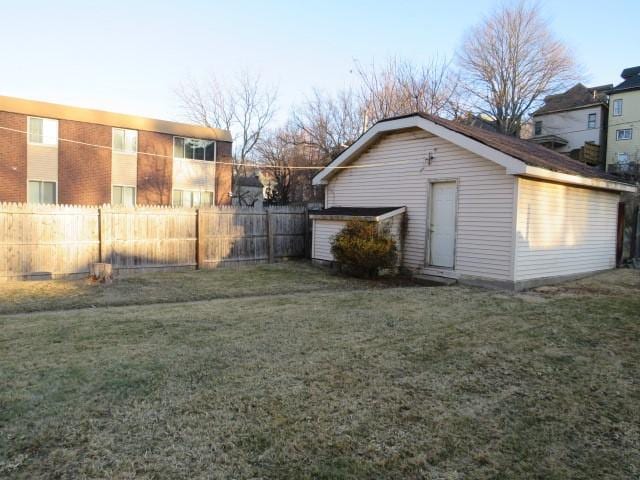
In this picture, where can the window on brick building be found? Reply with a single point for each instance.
(123, 195)
(194, 149)
(192, 198)
(43, 131)
(125, 141)
(42, 192)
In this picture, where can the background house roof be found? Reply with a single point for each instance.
(527, 152)
(247, 181)
(577, 96)
(631, 80)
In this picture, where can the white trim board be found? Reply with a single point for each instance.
(511, 164)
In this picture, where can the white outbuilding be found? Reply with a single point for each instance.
(477, 206)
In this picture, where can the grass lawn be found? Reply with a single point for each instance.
(187, 286)
(335, 378)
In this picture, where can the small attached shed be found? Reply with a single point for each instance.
(328, 222)
(480, 207)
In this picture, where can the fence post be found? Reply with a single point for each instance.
(634, 231)
(269, 237)
(199, 239)
(306, 252)
(100, 234)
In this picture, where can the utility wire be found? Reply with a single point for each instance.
(587, 129)
(261, 165)
(251, 165)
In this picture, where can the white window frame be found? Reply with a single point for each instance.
(125, 131)
(192, 194)
(135, 194)
(620, 131)
(215, 149)
(29, 180)
(621, 154)
(535, 127)
(593, 116)
(44, 132)
(617, 108)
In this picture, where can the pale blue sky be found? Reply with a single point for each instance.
(128, 56)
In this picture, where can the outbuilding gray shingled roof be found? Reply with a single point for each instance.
(528, 152)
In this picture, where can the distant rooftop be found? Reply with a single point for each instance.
(631, 78)
(576, 97)
(248, 181)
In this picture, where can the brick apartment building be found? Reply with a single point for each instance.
(53, 153)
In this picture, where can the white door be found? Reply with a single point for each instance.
(443, 224)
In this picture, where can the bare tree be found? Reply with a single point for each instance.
(510, 61)
(400, 87)
(276, 156)
(328, 124)
(246, 107)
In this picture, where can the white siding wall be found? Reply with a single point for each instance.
(485, 198)
(323, 230)
(563, 230)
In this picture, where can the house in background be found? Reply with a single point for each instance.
(574, 122)
(53, 153)
(248, 191)
(480, 207)
(623, 145)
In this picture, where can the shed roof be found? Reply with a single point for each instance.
(518, 156)
(523, 150)
(368, 213)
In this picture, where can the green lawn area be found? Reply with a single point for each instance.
(285, 371)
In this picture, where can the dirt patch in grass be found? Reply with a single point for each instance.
(186, 286)
(612, 283)
(390, 383)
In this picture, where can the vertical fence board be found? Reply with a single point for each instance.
(49, 241)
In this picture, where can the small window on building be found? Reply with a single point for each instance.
(591, 120)
(43, 131)
(194, 149)
(125, 141)
(189, 198)
(624, 134)
(622, 158)
(42, 192)
(123, 195)
(537, 127)
(617, 107)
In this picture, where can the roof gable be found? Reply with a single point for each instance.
(517, 156)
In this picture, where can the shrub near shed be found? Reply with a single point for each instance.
(364, 249)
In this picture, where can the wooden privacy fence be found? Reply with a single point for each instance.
(50, 241)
